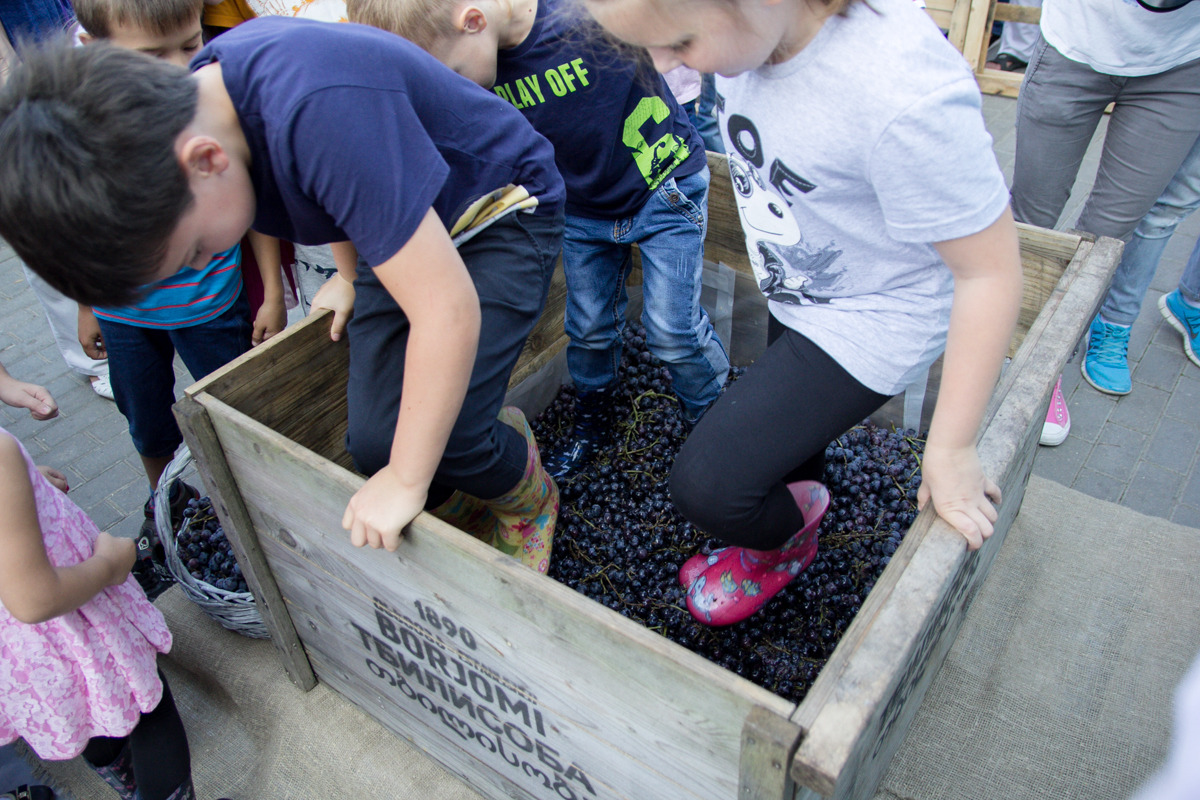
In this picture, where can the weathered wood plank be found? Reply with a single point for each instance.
(857, 713)
(294, 383)
(769, 743)
(609, 685)
(726, 241)
(387, 700)
(548, 331)
(995, 81)
(956, 32)
(445, 695)
(1010, 12)
(979, 26)
(227, 502)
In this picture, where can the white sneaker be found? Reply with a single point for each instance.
(1058, 419)
(102, 387)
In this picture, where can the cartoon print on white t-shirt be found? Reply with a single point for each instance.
(788, 269)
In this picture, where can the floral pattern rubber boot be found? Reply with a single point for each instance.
(470, 514)
(119, 774)
(730, 584)
(525, 517)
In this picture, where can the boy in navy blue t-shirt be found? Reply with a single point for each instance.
(366, 139)
(635, 171)
(201, 314)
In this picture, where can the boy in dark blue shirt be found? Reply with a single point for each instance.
(635, 172)
(366, 139)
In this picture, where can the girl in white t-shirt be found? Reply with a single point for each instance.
(878, 225)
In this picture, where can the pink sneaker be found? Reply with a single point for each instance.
(1058, 419)
(734, 582)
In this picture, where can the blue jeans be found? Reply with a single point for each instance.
(1140, 259)
(704, 115)
(669, 231)
(141, 367)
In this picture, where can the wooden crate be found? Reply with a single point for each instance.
(529, 690)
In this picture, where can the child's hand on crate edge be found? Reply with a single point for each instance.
(962, 495)
(337, 294)
(378, 512)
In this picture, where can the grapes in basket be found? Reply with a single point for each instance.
(204, 550)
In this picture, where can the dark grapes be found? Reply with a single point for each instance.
(205, 552)
(620, 541)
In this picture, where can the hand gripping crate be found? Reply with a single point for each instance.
(529, 690)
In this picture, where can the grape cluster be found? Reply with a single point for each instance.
(620, 541)
(204, 550)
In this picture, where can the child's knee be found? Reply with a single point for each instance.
(704, 498)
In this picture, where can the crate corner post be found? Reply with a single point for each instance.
(201, 438)
(769, 744)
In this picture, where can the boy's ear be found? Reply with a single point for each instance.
(472, 20)
(85, 37)
(203, 156)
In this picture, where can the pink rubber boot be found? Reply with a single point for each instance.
(730, 584)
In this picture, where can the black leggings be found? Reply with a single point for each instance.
(158, 747)
(770, 428)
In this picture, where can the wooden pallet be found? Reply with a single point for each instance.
(968, 24)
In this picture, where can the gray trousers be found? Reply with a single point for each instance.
(1154, 123)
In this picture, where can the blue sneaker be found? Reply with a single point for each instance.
(1184, 319)
(1106, 365)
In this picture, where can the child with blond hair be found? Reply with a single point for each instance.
(635, 171)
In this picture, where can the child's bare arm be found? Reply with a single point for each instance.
(20, 394)
(338, 292)
(987, 298)
(429, 281)
(31, 588)
(90, 337)
(272, 314)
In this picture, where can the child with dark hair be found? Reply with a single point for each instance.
(635, 171)
(450, 198)
(202, 313)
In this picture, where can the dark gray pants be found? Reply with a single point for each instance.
(1154, 123)
(511, 263)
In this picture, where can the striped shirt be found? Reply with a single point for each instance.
(187, 298)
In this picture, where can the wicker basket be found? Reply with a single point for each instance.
(234, 610)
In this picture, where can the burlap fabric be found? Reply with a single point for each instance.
(1060, 682)
(1059, 685)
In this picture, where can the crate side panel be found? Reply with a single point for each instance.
(857, 713)
(478, 718)
(382, 704)
(294, 383)
(726, 241)
(547, 332)
(654, 704)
